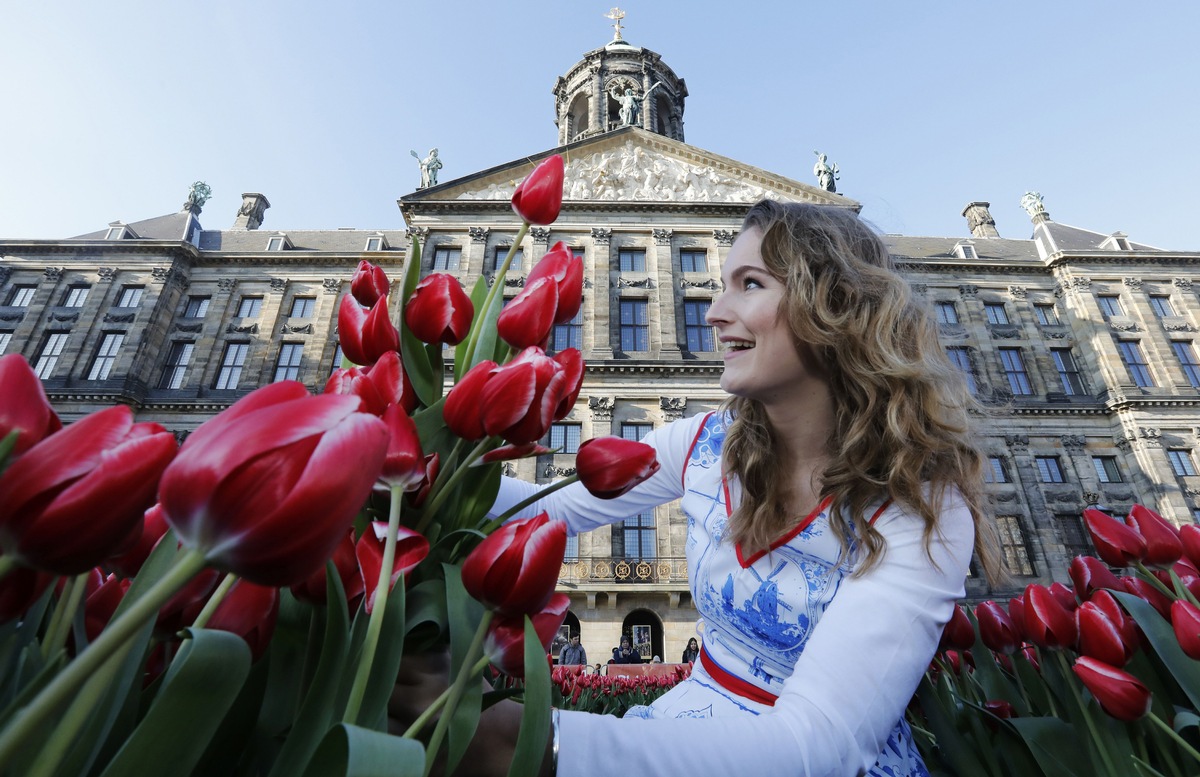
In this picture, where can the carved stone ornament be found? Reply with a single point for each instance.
(724, 237)
(1063, 496)
(1178, 324)
(53, 273)
(227, 284)
(418, 232)
(189, 327)
(1054, 334)
(479, 234)
(1123, 324)
(181, 435)
(7, 316)
(662, 237)
(5, 272)
(1120, 496)
(709, 284)
(644, 283)
(119, 318)
(251, 329)
(968, 290)
(160, 274)
(332, 285)
(601, 235)
(1018, 292)
(1018, 443)
(278, 284)
(1133, 283)
(1081, 284)
(1183, 284)
(552, 471)
(601, 407)
(673, 407)
(1005, 332)
(514, 283)
(1091, 498)
(508, 470)
(65, 316)
(918, 288)
(631, 173)
(1073, 441)
(540, 235)
(106, 273)
(1004, 496)
(288, 329)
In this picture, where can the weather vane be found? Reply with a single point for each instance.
(616, 14)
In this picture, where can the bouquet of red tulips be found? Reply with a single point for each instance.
(241, 604)
(1098, 678)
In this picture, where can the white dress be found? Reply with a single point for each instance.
(773, 694)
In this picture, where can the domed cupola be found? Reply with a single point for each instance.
(617, 86)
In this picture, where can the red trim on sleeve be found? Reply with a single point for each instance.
(687, 459)
(733, 683)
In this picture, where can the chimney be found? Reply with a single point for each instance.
(979, 220)
(250, 215)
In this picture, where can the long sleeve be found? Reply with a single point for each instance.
(849, 687)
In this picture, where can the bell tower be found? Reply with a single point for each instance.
(615, 86)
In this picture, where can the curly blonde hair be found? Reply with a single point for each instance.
(902, 426)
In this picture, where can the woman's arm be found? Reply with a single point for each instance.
(850, 687)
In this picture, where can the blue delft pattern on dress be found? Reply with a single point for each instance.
(757, 619)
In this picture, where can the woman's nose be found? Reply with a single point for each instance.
(717, 311)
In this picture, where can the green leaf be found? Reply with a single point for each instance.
(287, 656)
(427, 607)
(412, 350)
(199, 688)
(236, 736)
(941, 714)
(478, 297)
(464, 615)
(1184, 719)
(386, 665)
(535, 718)
(320, 705)
(1185, 670)
(350, 751)
(1054, 743)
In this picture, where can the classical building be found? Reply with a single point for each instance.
(1082, 341)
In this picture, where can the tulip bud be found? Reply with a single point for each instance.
(1118, 693)
(382, 384)
(515, 568)
(314, 588)
(1047, 623)
(1185, 619)
(996, 628)
(1089, 574)
(1064, 595)
(1143, 590)
(1163, 547)
(439, 311)
(101, 603)
(1115, 542)
(366, 336)
(505, 644)
(25, 409)
(538, 198)
(958, 634)
(510, 452)
(411, 550)
(129, 563)
(1189, 536)
(249, 611)
(1100, 637)
(528, 318)
(404, 465)
(610, 466)
(369, 283)
(463, 409)
(566, 271)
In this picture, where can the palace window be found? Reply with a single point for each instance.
(197, 307)
(995, 472)
(565, 437)
(5, 339)
(1186, 353)
(1046, 315)
(47, 358)
(693, 260)
(632, 259)
(250, 307)
(1110, 305)
(568, 335)
(498, 254)
(1106, 469)
(106, 355)
(287, 367)
(75, 296)
(178, 359)
(961, 357)
(635, 325)
(1049, 469)
(1068, 372)
(1074, 537)
(1181, 462)
(302, 307)
(947, 313)
(1014, 371)
(699, 333)
(21, 296)
(1135, 362)
(232, 362)
(1014, 546)
(996, 314)
(446, 258)
(1161, 303)
(130, 296)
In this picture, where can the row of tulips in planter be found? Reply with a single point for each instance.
(248, 562)
(577, 690)
(1097, 678)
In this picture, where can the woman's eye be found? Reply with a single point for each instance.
(751, 283)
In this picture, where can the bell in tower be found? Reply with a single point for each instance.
(618, 85)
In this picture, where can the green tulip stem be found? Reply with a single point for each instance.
(1020, 683)
(456, 690)
(7, 565)
(495, 523)
(36, 716)
(436, 500)
(383, 588)
(424, 718)
(1173, 734)
(1183, 591)
(497, 288)
(64, 615)
(1097, 737)
(214, 601)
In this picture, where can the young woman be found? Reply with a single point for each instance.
(833, 506)
(691, 652)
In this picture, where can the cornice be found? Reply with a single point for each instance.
(95, 248)
(1140, 259)
(735, 211)
(621, 367)
(916, 265)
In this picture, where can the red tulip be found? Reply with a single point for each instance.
(369, 283)
(571, 361)
(538, 198)
(25, 409)
(1016, 611)
(383, 383)
(268, 487)
(1089, 574)
(404, 465)
(505, 644)
(1031, 655)
(522, 398)
(417, 496)
(515, 568)
(566, 271)
(463, 409)
(75, 498)
(996, 628)
(1000, 709)
(1118, 693)
(1185, 619)
(249, 611)
(1189, 537)
(1143, 590)
(366, 336)
(510, 452)
(958, 633)
(611, 466)
(1163, 547)
(411, 550)
(19, 589)
(182, 608)
(439, 311)
(529, 317)
(1047, 623)
(1116, 543)
(1064, 595)
(960, 660)
(1128, 627)
(101, 603)
(1100, 637)
(313, 589)
(129, 563)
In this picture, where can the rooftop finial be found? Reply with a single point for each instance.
(198, 194)
(616, 14)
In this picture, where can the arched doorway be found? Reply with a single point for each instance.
(645, 629)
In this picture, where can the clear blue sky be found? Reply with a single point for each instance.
(111, 110)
